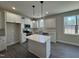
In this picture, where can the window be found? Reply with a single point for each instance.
(78, 23)
(37, 24)
(71, 24)
(41, 23)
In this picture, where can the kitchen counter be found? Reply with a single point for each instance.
(39, 45)
(38, 38)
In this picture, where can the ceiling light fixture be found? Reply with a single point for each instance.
(33, 6)
(33, 21)
(33, 10)
(41, 8)
(13, 8)
(42, 16)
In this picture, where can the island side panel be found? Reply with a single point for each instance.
(39, 49)
(48, 48)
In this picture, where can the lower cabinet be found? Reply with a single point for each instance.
(2, 43)
(42, 50)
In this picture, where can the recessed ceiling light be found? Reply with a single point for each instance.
(13, 8)
(46, 12)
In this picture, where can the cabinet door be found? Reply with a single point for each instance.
(50, 23)
(18, 19)
(11, 17)
(2, 21)
(1, 27)
(2, 43)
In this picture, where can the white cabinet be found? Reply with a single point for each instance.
(39, 45)
(2, 21)
(50, 23)
(18, 19)
(11, 17)
(2, 43)
(28, 21)
(52, 34)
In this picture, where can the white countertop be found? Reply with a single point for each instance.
(38, 38)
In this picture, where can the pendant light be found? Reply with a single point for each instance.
(42, 17)
(33, 6)
(41, 8)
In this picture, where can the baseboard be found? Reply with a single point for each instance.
(76, 44)
(53, 41)
(12, 43)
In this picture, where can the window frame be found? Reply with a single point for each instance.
(76, 25)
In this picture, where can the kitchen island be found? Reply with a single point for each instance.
(39, 45)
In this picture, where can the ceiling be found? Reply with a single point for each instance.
(52, 7)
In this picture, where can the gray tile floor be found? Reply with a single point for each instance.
(58, 50)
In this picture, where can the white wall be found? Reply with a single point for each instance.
(73, 39)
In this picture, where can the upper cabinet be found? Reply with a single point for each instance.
(11, 17)
(2, 23)
(28, 21)
(50, 23)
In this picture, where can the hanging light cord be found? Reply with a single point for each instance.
(41, 8)
(33, 10)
